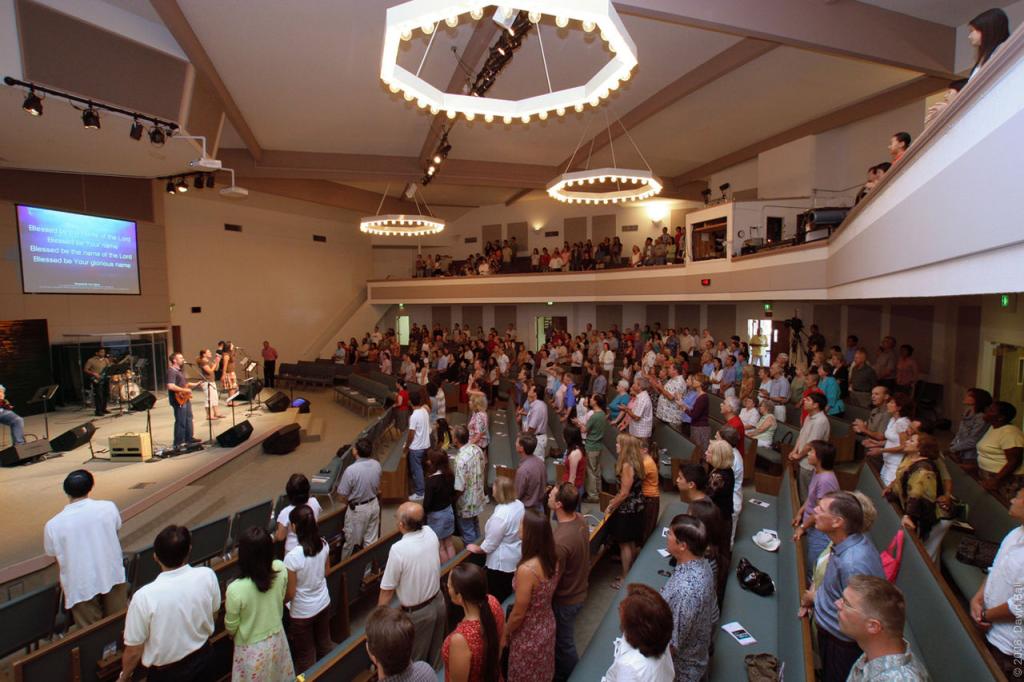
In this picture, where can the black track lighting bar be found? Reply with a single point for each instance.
(35, 88)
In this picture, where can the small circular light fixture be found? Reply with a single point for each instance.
(401, 225)
(91, 118)
(561, 22)
(641, 184)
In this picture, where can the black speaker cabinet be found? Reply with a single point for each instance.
(248, 390)
(277, 402)
(282, 441)
(18, 454)
(75, 438)
(236, 435)
(142, 402)
(303, 405)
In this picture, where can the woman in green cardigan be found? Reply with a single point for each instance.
(253, 608)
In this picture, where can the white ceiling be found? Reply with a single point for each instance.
(773, 93)
(948, 12)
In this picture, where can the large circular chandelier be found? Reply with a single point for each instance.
(401, 225)
(604, 186)
(425, 15)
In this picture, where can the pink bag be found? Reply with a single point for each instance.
(892, 557)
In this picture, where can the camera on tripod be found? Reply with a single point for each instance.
(794, 323)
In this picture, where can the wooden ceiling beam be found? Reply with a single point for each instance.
(693, 80)
(370, 168)
(176, 22)
(331, 194)
(893, 98)
(848, 28)
(479, 43)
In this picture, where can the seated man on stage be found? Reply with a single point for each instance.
(8, 417)
(179, 392)
(93, 368)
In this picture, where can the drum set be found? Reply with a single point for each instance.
(125, 377)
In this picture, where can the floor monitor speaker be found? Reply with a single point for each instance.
(302, 404)
(236, 435)
(248, 390)
(145, 401)
(282, 441)
(277, 402)
(23, 452)
(75, 438)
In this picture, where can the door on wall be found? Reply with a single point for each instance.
(771, 336)
(546, 326)
(402, 329)
(1008, 382)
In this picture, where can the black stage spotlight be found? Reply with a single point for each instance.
(182, 186)
(198, 182)
(170, 188)
(209, 181)
(157, 136)
(33, 104)
(135, 132)
(91, 118)
(437, 158)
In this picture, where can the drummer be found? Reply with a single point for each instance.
(95, 370)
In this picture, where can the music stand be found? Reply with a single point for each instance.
(45, 394)
(231, 404)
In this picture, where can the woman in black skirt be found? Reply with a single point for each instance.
(627, 508)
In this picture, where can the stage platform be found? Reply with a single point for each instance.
(187, 489)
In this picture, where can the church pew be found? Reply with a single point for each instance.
(932, 607)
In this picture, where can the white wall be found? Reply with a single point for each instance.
(742, 176)
(843, 155)
(788, 170)
(271, 281)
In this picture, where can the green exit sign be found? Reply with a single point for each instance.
(767, 307)
(1004, 301)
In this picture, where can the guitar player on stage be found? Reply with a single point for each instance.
(179, 391)
(94, 367)
(9, 418)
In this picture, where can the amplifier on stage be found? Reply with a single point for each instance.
(131, 447)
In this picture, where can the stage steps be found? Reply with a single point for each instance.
(312, 427)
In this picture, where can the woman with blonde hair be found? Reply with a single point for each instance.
(721, 479)
(501, 542)
(626, 509)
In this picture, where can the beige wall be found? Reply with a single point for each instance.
(271, 281)
(69, 314)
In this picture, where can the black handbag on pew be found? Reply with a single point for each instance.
(753, 579)
(975, 552)
(787, 437)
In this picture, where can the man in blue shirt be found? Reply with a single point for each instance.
(840, 516)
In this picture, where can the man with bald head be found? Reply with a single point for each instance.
(413, 574)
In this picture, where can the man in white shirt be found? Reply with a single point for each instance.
(359, 488)
(998, 606)
(537, 421)
(641, 414)
(413, 574)
(83, 539)
(170, 620)
(417, 443)
(686, 341)
(815, 427)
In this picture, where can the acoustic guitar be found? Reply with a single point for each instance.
(183, 397)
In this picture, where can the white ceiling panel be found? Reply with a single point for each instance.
(775, 92)
(666, 52)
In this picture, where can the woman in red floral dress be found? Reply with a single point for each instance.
(530, 633)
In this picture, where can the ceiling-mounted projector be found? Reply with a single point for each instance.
(206, 164)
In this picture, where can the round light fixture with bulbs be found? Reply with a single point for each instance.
(401, 225)
(577, 187)
(405, 19)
